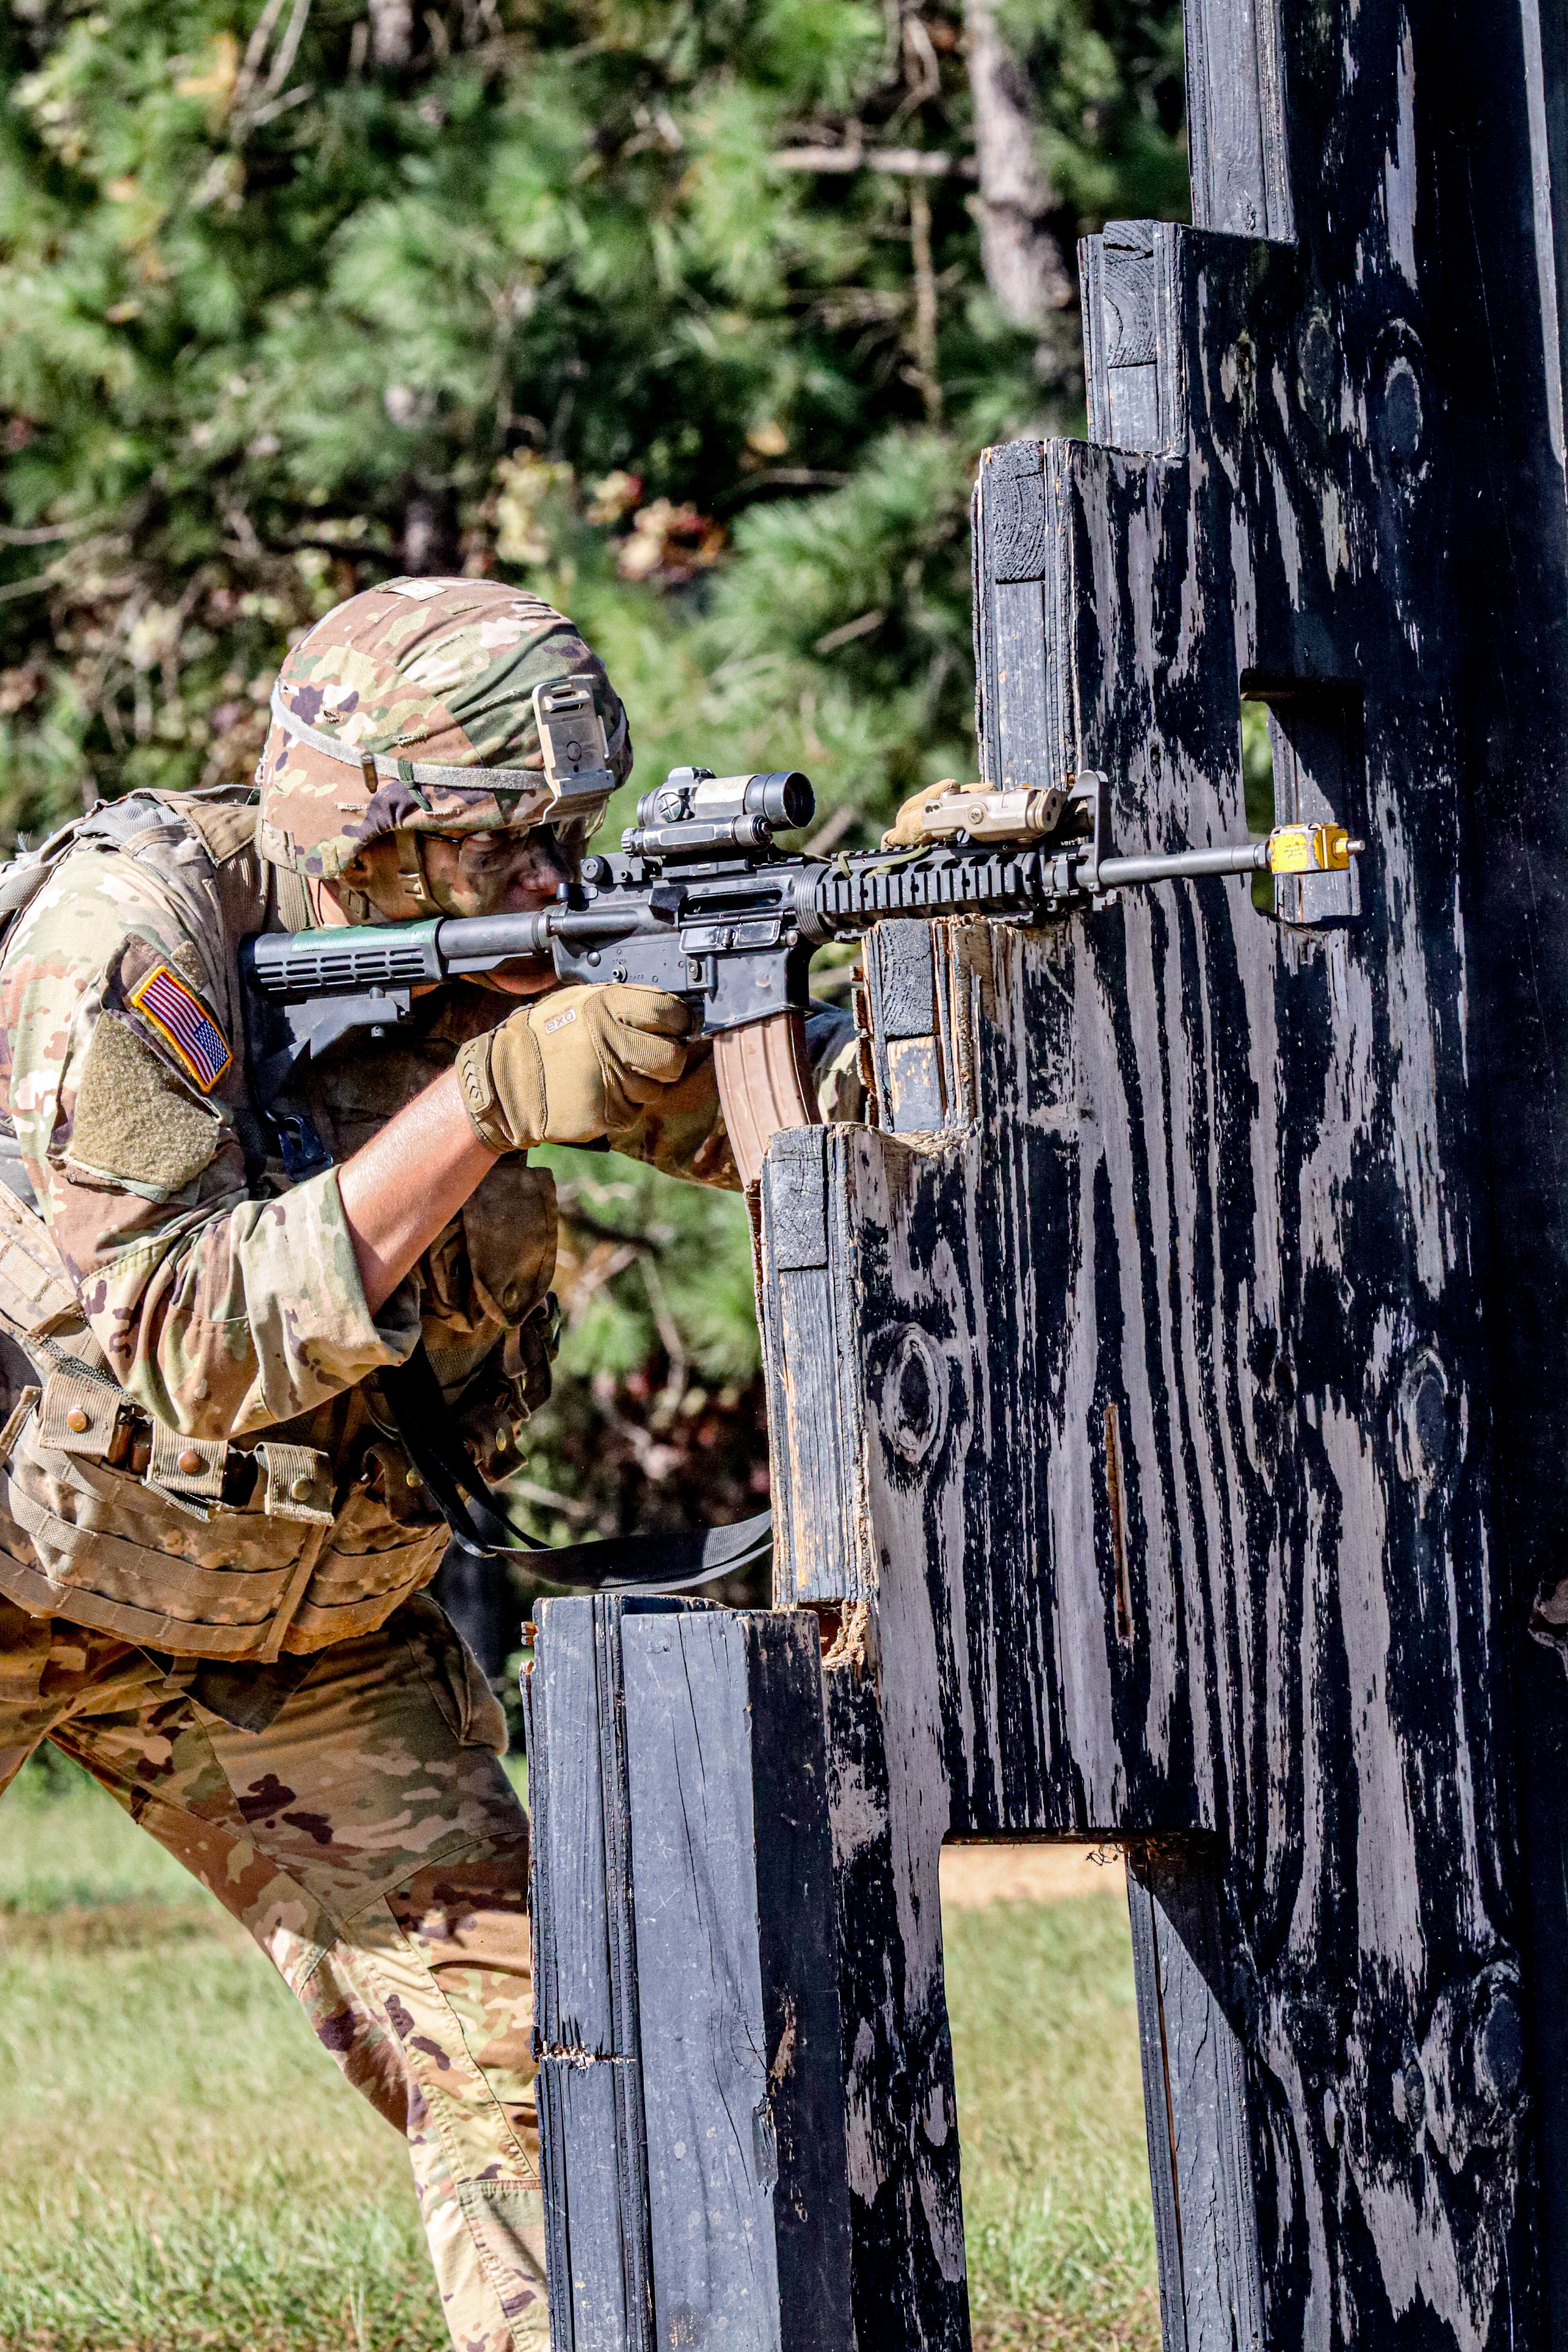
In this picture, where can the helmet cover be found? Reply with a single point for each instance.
(380, 707)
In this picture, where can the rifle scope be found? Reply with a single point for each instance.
(783, 799)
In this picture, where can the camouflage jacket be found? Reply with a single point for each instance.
(216, 1298)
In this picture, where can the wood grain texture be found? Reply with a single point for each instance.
(586, 2030)
(1131, 356)
(1192, 2014)
(692, 2109)
(748, 2201)
(1237, 131)
(906, 2212)
(1190, 1390)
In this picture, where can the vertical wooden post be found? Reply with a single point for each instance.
(692, 2114)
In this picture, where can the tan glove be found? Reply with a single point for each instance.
(575, 1064)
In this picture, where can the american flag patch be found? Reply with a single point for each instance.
(178, 1015)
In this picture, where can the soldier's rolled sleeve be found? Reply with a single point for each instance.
(256, 1317)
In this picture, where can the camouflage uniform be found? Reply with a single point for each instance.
(363, 1833)
(232, 1638)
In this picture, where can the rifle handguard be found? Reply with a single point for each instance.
(764, 1083)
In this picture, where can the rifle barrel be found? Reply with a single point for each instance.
(1189, 865)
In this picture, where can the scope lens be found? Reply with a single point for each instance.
(784, 798)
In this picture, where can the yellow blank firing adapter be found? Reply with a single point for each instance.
(1312, 849)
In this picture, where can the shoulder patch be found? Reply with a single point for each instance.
(133, 1120)
(174, 1010)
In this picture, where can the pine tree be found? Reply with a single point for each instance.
(676, 305)
(693, 313)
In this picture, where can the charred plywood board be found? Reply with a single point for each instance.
(593, 2148)
(736, 1944)
(1138, 1401)
(691, 2117)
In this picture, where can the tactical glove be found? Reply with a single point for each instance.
(575, 1064)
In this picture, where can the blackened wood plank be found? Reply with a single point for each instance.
(798, 1955)
(711, 2167)
(1195, 2102)
(818, 1534)
(586, 2029)
(795, 1194)
(1028, 732)
(901, 987)
(609, 1615)
(740, 2026)
(910, 2290)
(1131, 352)
(1159, 2121)
(591, 2229)
(1235, 118)
(574, 2006)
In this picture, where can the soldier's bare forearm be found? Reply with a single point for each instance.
(406, 1183)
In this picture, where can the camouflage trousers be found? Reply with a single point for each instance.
(350, 1811)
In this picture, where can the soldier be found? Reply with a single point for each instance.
(212, 1544)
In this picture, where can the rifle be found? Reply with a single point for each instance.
(700, 903)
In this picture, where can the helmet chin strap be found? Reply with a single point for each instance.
(411, 867)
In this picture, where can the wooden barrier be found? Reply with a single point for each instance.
(1169, 1389)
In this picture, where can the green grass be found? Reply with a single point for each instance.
(181, 2170)
(1051, 2107)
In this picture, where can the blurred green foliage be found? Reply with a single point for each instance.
(299, 294)
(1108, 73)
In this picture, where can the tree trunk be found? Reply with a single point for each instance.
(430, 542)
(1025, 266)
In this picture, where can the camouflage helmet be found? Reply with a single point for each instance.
(411, 708)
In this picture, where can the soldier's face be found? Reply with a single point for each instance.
(496, 873)
(483, 874)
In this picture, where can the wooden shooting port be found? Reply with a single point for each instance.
(1169, 1391)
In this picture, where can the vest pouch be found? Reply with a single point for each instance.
(83, 1541)
(298, 1483)
(186, 1573)
(453, 1676)
(188, 1470)
(82, 1416)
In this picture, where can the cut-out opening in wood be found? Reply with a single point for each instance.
(1041, 1991)
(1303, 762)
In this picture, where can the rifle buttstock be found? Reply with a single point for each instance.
(764, 1083)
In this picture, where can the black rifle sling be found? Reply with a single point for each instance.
(668, 1563)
